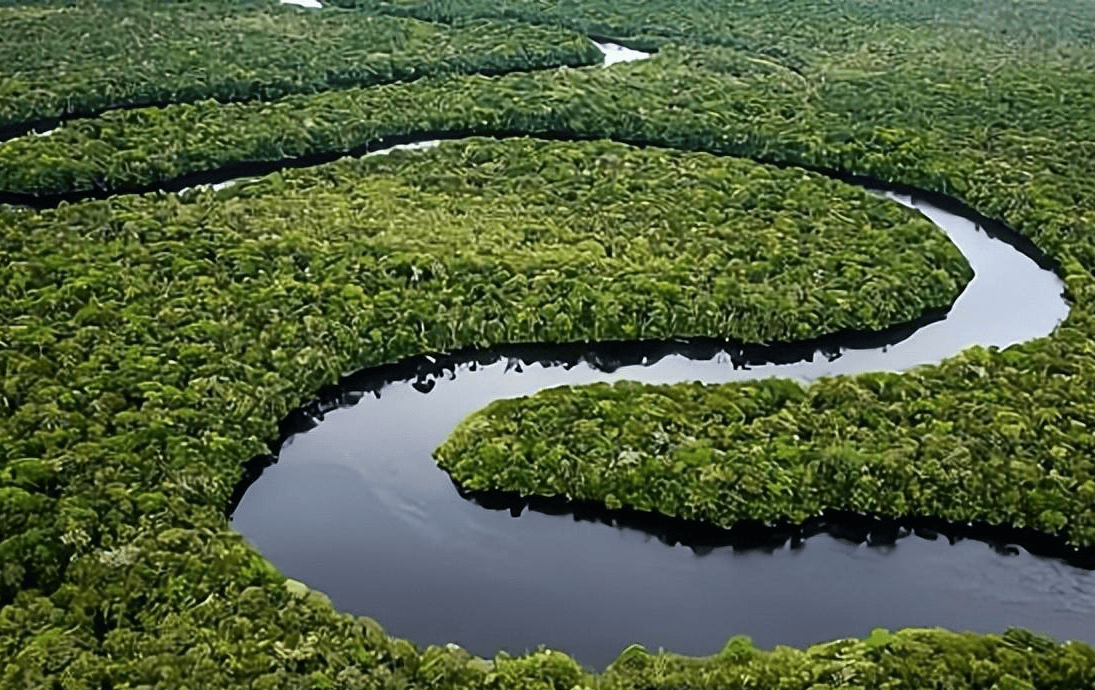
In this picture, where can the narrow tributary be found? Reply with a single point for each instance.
(357, 508)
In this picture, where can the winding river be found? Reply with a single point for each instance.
(356, 508)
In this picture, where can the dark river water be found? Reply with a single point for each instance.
(356, 508)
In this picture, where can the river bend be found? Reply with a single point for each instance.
(356, 507)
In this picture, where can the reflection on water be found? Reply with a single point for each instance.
(356, 508)
(614, 52)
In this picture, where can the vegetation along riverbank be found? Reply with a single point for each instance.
(150, 344)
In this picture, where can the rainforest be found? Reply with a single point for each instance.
(224, 223)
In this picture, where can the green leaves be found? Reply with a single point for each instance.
(83, 58)
(910, 658)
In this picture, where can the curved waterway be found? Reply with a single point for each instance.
(356, 507)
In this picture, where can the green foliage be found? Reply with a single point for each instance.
(60, 58)
(908, 659)
(673, 241)
(921, 443)
(903, 128)
(787, 31)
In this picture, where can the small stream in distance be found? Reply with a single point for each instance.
(356, 507)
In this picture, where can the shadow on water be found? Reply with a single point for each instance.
(858, 528)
